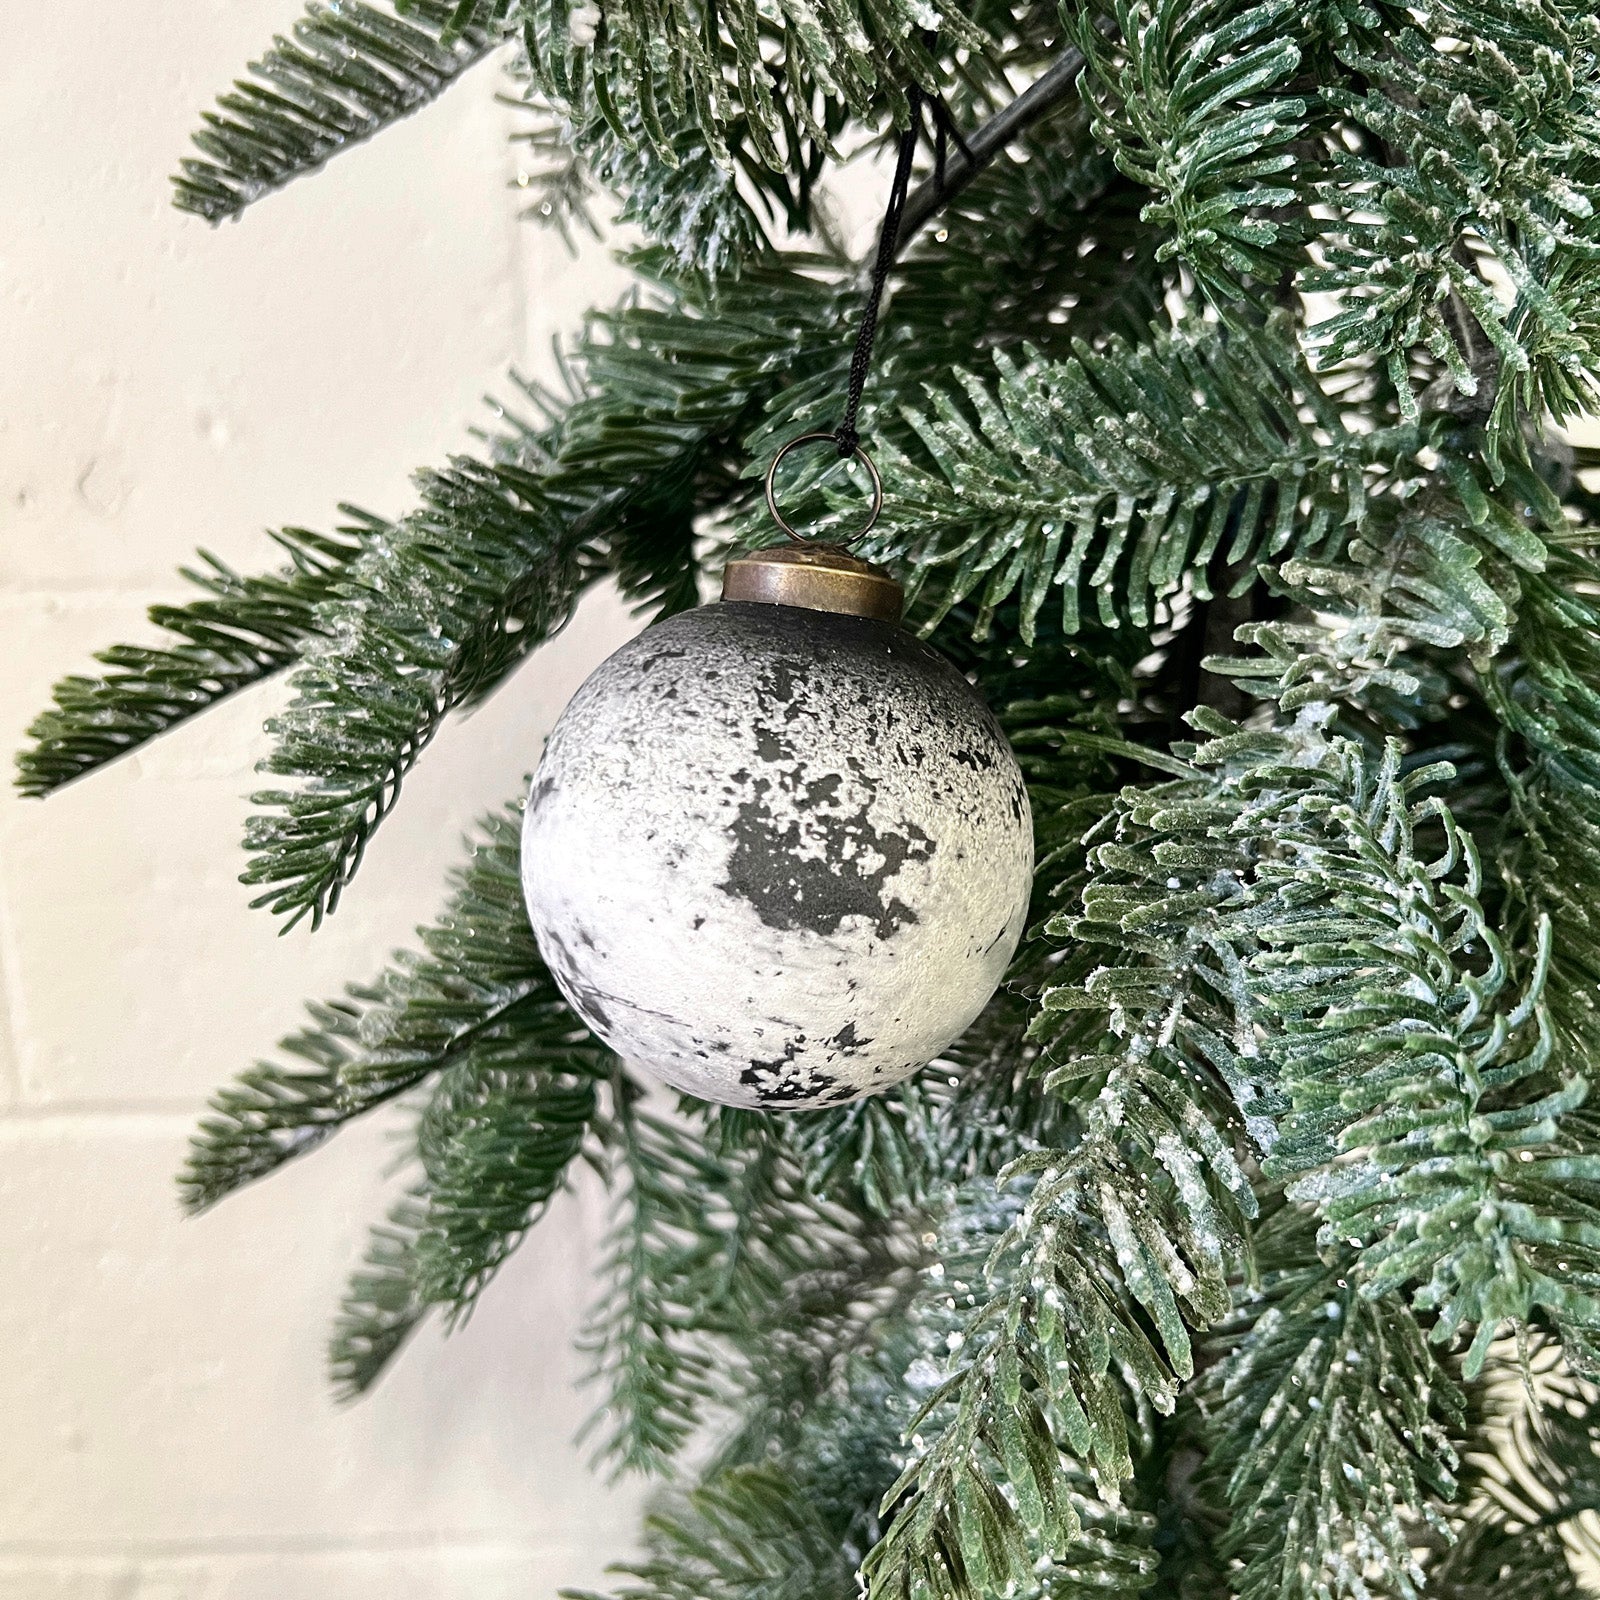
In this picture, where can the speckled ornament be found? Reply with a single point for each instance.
(777, 856)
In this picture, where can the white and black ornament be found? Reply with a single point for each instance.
(776, 855)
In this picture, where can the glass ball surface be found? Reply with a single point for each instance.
(777, 857)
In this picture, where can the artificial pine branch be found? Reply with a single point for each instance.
(1546, 696)
(246, 629)
(747, 1531)
(477, 996)
(657, 1380)
(425, 622)
(1357, 974)
(1194, 100)
(1330, 1430)
(383, 1305)
(1326, 964)
(1129, 471)
(735, 64)
(1479, 139)
(1525, 1531)
(349, 71)
(745, 94)
(495, 1142)
(707, 1246)
(838, 1444)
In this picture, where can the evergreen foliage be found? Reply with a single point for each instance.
(249, 628)
(347, 71)
(1330, 1429)
(1249, 1243)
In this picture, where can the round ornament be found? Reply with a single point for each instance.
(778, 852)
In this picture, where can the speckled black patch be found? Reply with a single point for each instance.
(776, 867)
(787, 1081)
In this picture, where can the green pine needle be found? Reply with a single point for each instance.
(1329, 1431)
(476, 1000)
(348, 71)
(246, 629)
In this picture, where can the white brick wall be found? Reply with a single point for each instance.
(166, 1432)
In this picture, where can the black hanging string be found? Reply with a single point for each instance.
(888, 240)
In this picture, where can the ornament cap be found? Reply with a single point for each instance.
(815, 577)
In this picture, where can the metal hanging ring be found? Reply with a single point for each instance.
(860, 454)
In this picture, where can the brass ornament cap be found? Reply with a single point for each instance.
(816, 577)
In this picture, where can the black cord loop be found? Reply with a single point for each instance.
(845, 437)
(888, 237)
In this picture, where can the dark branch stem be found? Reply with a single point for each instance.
(1040, 98)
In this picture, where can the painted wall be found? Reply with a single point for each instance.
(166, 1432)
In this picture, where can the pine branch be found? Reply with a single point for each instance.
(1130, 470)
(1532, 1485)
(247, 629)
(1291, 965)
(1051, 212)
(659, 66)
(1192, 98)
(1492, 1561)
(656, 1381)
(423, 623)
(1328, 1427)
(348, 71)
(828, 1417)
(1412, 581)
(714, 214)
(1386, 626)
(750, 1531)
(383, 1305)
(1117, 1242)
(476, 998)
(494, 1142)
(1476, 128)
(884, 1153)
(712, 1251)
(1546, 694)
(1411, 1086)
(513, 1103)
(274, 1112)
(1418, 1077)
(992, 1497)
(959, 289)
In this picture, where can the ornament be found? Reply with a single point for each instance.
(778, 852)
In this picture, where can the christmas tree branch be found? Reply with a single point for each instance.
(1530, 1486)
(477, 997)
(349, 71)
(383, 1305)
(1329, 1430)
(1133, 470)
(247, 629)
(421, 625)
